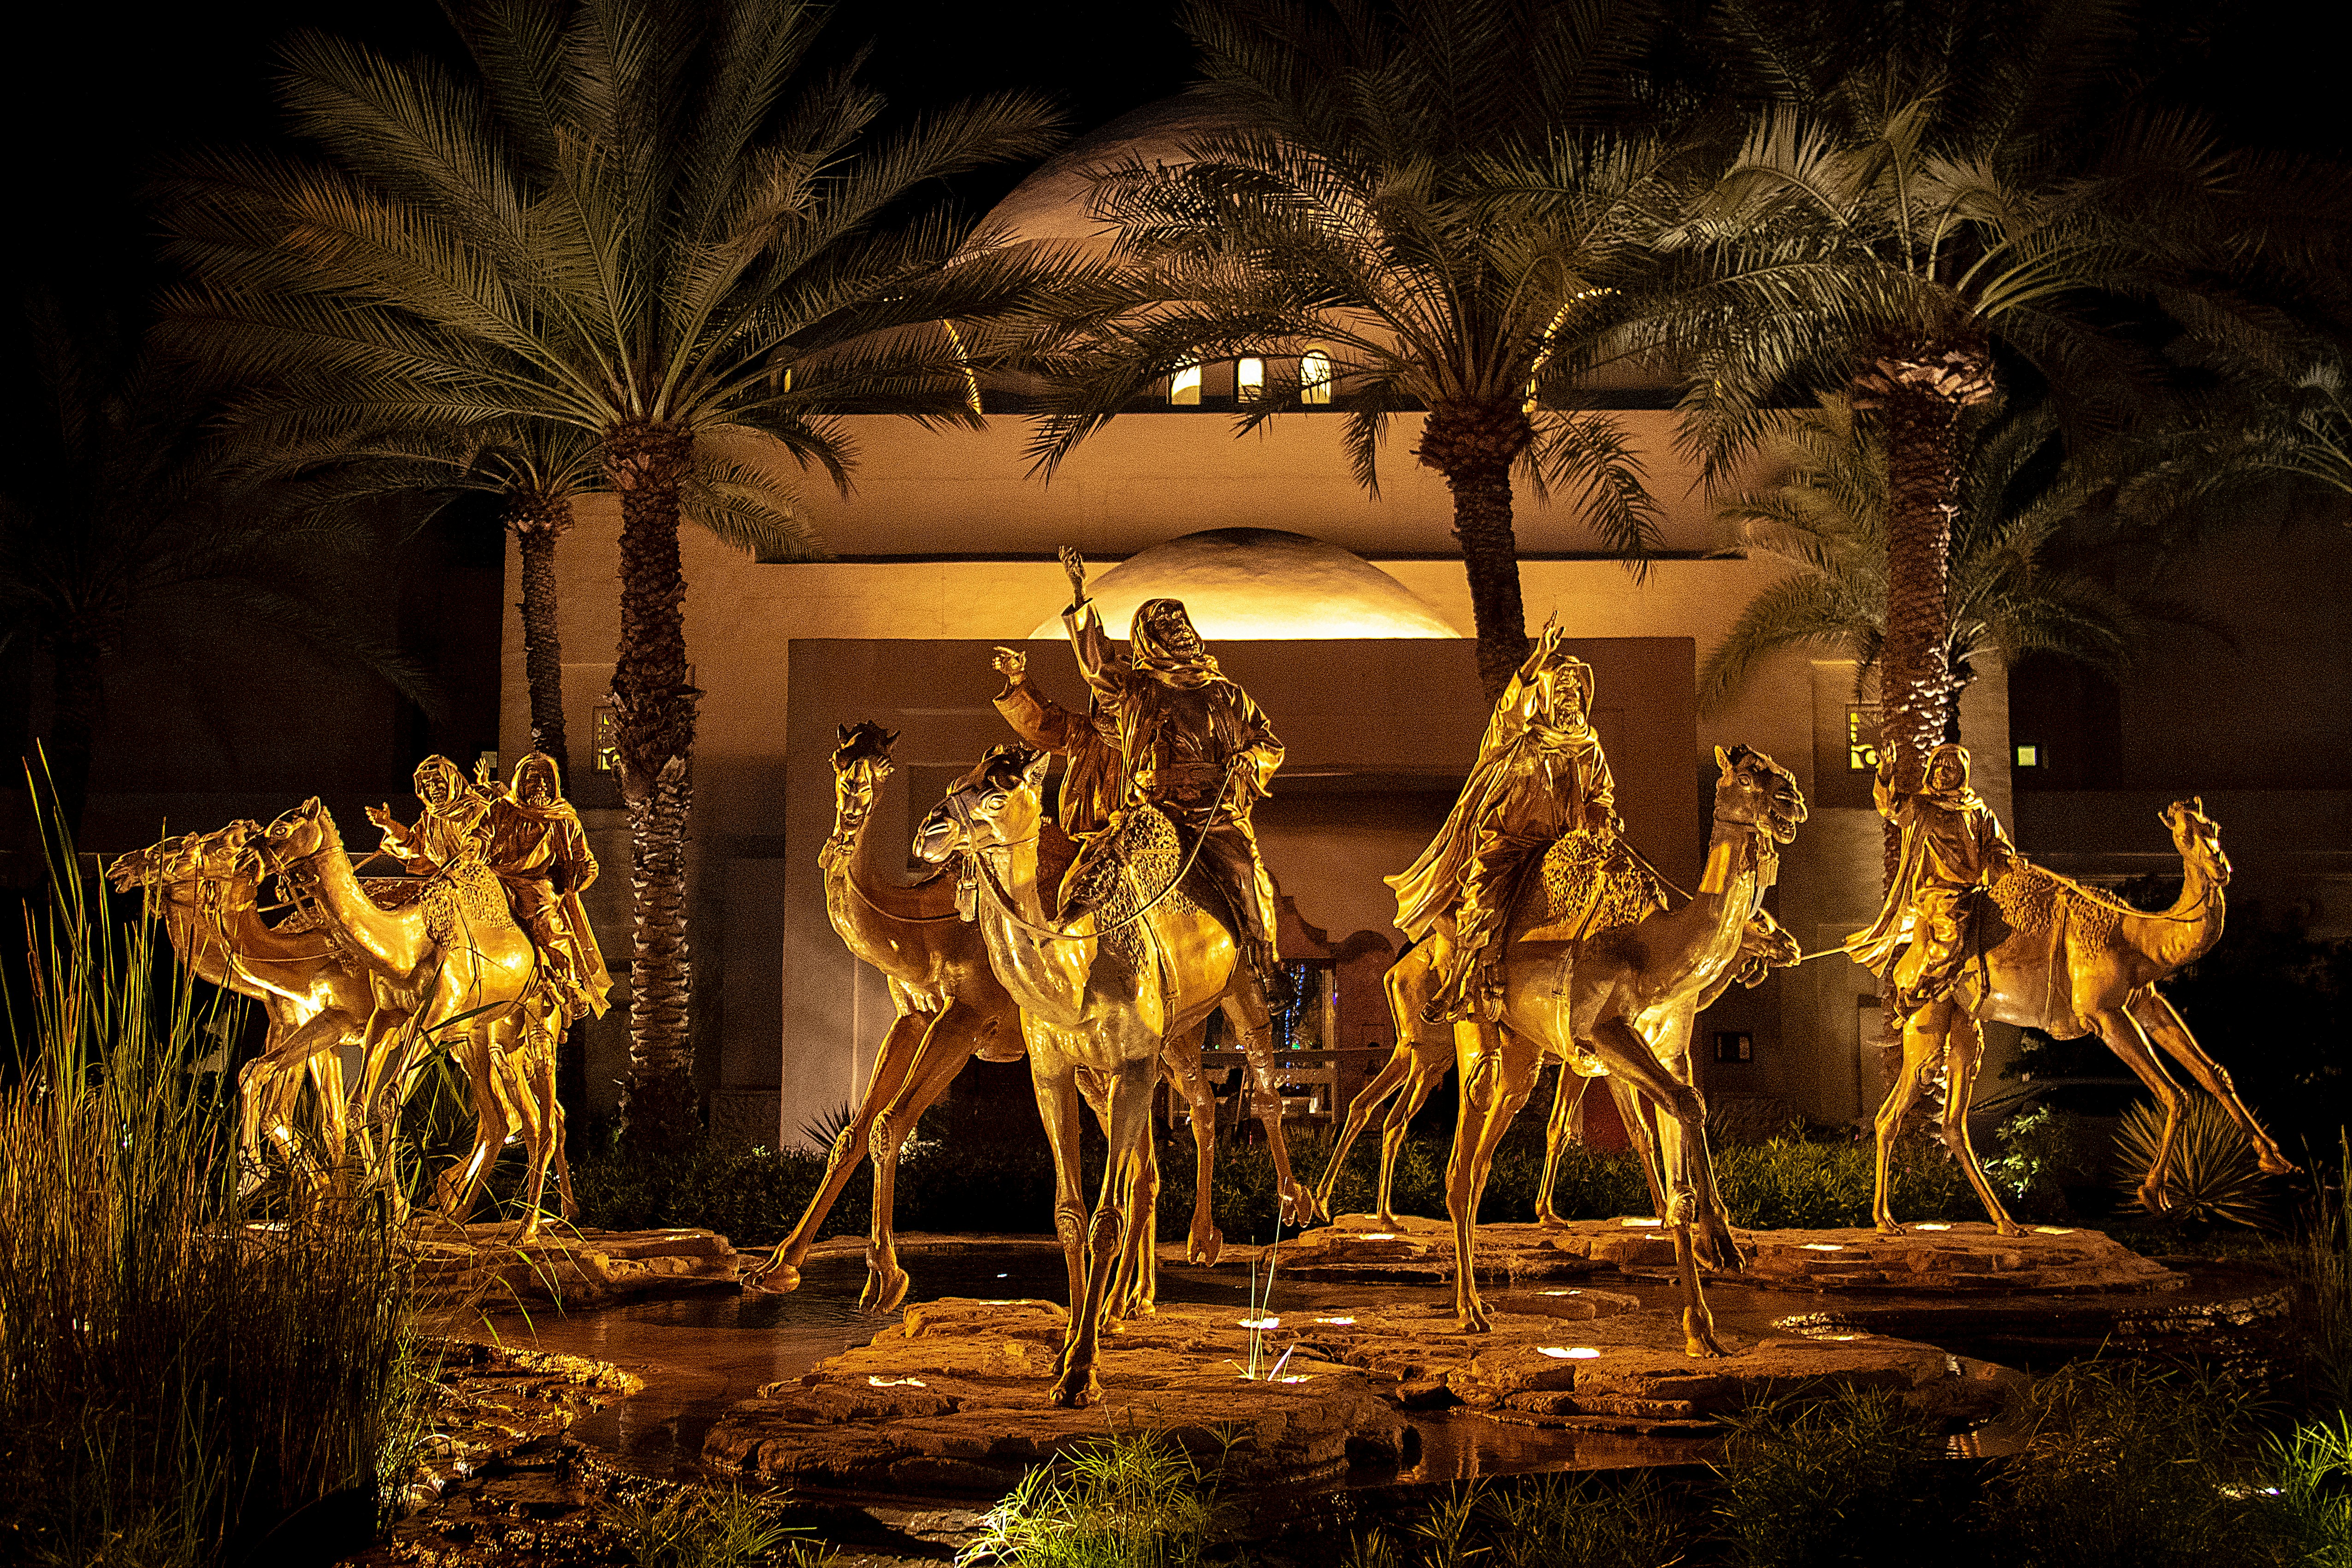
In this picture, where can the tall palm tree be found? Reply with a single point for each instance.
(537, 473)
(2009, 589)
(1975, 199)
(118, 510)
(657, 223)
(1373, 204)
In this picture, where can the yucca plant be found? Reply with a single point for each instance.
(2212, 1176)
(173, 1379)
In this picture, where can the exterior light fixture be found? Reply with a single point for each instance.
(2027, 754)
(1568, 1353)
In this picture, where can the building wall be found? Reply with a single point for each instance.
(759, 820)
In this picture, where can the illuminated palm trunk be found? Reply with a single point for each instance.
(647, 463)
(539, 520)
(1473, 445)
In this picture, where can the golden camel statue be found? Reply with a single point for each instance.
(2051, 954)
(1627, 994)
(454, 946)
(1140, 964)
(1423, 1058)
(204, 889)
(950, 1008)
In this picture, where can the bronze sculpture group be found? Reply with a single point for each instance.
(481, 950)
(1095, 928)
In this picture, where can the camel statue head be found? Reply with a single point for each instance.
(160, 862)
(861, 761)
(2198, 837)
(229, 855)
(297, 835)
(1753, 789)
(996, 803)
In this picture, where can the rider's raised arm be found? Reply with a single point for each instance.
(1098, 662)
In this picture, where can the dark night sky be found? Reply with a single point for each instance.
(103, 92)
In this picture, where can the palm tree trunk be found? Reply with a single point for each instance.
(1919, 397)
(1473, 445)
(646, 462)
(539, 520)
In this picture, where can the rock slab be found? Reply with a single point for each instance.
(494, 1265)
(955, 1400)
(1967, 1258)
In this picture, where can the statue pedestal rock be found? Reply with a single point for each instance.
(948, 1402)
(501, 1265)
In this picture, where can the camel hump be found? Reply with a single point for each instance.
(2033, 900)
(1125, 866)
(1589, 882)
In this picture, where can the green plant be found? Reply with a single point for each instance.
(2211, 1177)
(2312, 1465)
(2129, 1464)
(699, 1527)
(1128, 1500)
(175, 1379)
(1841, 1478)
(1586, 1521)
(2045, 1151)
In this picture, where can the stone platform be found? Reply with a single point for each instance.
(1963, 1258)
(955, 1400)
(490, 1266)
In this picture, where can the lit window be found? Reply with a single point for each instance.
(1185, 387)
(1862, 739)
(1249, 379)
(1313, 376)
(2029, 756)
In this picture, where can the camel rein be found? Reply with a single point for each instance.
(987, 876)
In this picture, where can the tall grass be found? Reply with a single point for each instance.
(1132, 1500)
(174, 1382)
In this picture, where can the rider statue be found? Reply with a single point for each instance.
(541, 854)
(450, 838)
(1091, 784)
(1540, 774)
(1190, 742)
(1953, 849)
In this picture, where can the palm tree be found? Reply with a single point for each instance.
(1427, 194)
(119, 510)
(537, 473)
(659, 223)
(2009, 591)
(1968, 203)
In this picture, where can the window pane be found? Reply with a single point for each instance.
(1249, 379)
(1185, 387)
(1315, 376)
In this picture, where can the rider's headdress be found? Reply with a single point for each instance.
(1146, 653)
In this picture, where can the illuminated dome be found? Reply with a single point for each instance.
(1261, 584)
(1051, 205)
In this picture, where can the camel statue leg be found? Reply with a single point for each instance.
(2161, 1021)
(1427, 1074)
(1130, 1146)
(460, 1186)
(1679, 1127)
(781, 1270)
(1923, 1042)
(1056, 1084)
(1964, 1054)
(1498, 1070)
(1135, 1289)
(944, 1050)
(2124, 1036)
(1370, 1099)
(1642, 1131)
(1244, 1010)
(1180, 1059)
(1565, 1126)
(326, 1075)
(1718, 1248)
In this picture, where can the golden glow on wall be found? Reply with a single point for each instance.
(1261, 584)
(1185, 387)
(1315, 376)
